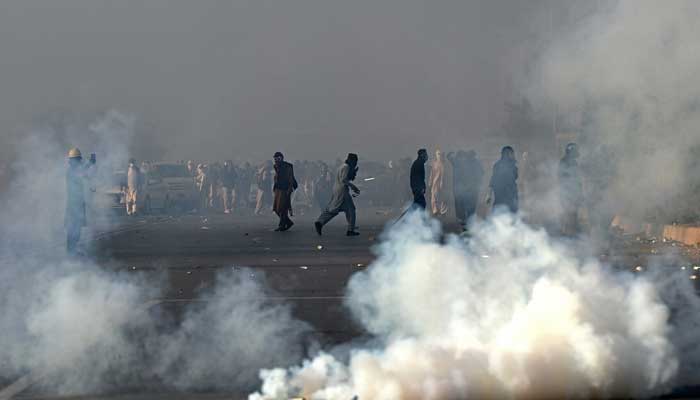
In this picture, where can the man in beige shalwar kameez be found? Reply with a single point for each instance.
(437, 185)
(342, 199)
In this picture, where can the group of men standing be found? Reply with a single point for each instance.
(467, 176)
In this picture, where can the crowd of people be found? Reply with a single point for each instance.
(227, 188)
(280, 186)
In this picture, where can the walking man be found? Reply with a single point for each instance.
(342, 199)
(285, 185)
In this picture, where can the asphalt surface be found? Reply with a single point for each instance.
(300, 267)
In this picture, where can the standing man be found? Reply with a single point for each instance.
(341, 199)
(228, 186)
(134, 184)
(418, 179)
(467, 174)
(75, 219)
(264, 181)
(245, 179)
(437, 185)
(203, 185)
(570, 190)
(285, 185)
(504, 181)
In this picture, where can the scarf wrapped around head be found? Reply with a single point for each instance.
(352, 162)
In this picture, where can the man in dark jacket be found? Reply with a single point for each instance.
(504, 181)
(418, 179)
(467, 174)
(285, 184)
(75, 219)
(228, 186)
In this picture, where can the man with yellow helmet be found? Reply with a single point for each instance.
(75, 198)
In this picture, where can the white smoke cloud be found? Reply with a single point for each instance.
(628, 77)
(226, 340)
(511, 312)
(81, 328)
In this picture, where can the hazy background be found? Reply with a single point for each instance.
(244, 78)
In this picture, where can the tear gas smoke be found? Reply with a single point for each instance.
(84, 329)
(220, 342)
(531, 320)
(627, 77)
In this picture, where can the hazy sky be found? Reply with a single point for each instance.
(244, 78)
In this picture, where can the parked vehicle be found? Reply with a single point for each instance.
(169, 188)
(109, 195)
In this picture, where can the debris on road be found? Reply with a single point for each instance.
(304, 267)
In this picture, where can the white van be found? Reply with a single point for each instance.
(169, 188)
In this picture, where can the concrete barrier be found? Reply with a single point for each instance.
(686, 234)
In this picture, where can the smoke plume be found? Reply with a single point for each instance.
(627, 77)
(509, 313)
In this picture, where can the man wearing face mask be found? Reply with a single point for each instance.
(342, 199)
(285, 184)
(75, 198)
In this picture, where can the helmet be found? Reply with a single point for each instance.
(74, 153)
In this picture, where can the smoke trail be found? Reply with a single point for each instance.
(509, 313)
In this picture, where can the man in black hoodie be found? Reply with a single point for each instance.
(504, 181)
(418, 179)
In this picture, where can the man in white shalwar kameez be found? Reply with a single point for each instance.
(341, 199)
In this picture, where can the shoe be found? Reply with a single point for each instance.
(319, 228)
(279, 229)
(227, 211)
(352, 233)
(289, 225)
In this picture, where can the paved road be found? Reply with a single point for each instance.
(302, 268)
